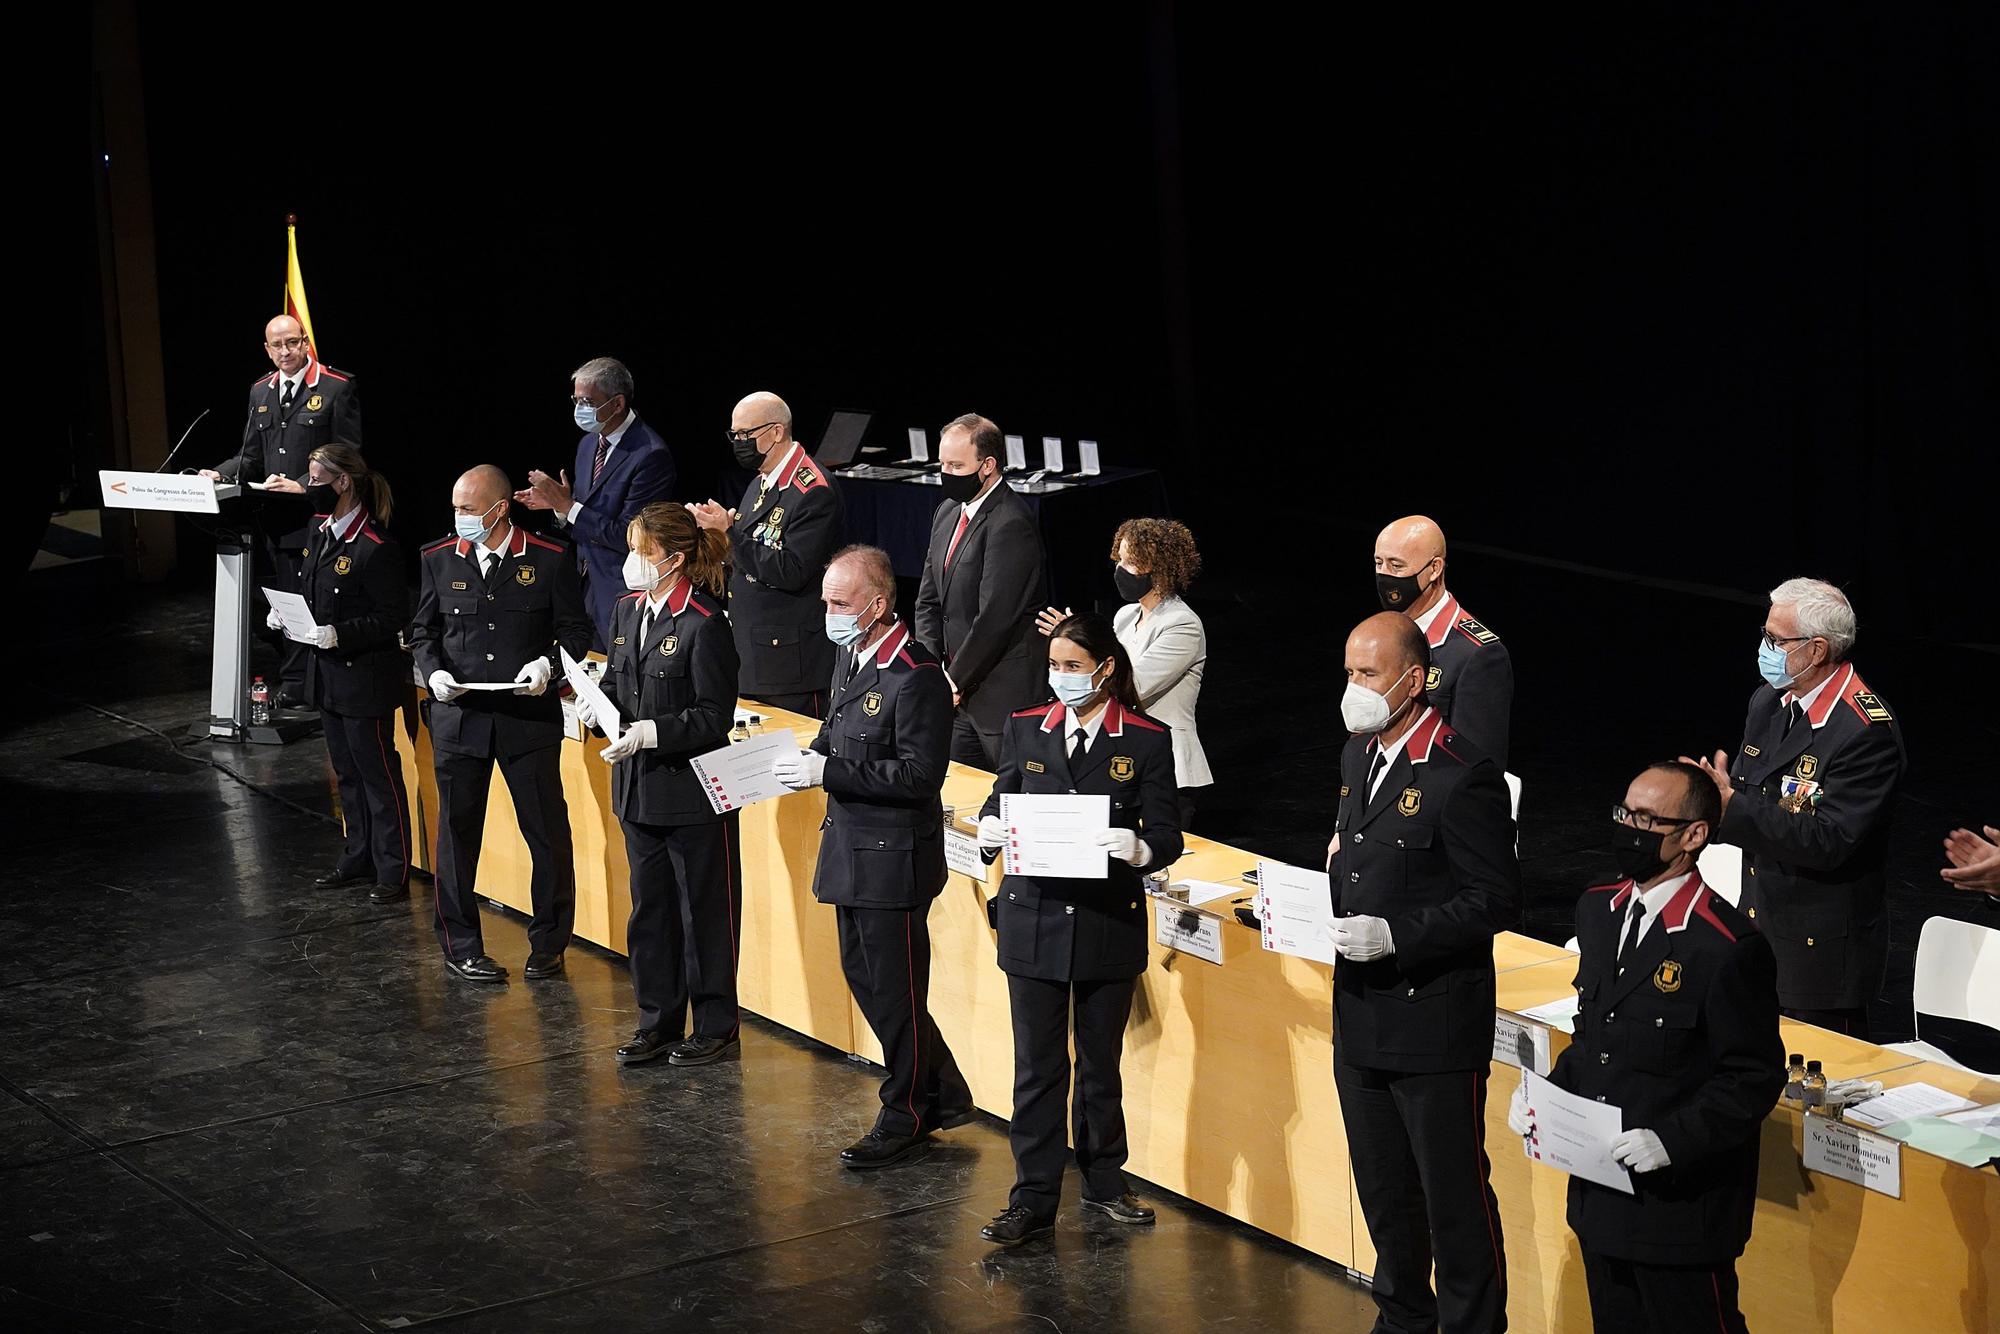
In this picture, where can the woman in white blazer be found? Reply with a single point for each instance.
(1154, 560)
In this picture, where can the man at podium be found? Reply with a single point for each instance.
(300, 406)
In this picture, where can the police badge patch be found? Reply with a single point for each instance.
(669, 645)
(1410, 802)
(524, 575)
(871, 703)
(315, 403)
(1121, 768)
(1667, 977)
(1434, 678)
(342, 564)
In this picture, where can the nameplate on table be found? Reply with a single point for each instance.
(1520, 1042)
(961, 854)
(1849, 1153)
(181, 493)
(1197, 934)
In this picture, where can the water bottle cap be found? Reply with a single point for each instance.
(1812, 1067)
(1794, 1059)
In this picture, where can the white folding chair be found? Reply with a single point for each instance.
(1721, 867)
(1958, 977)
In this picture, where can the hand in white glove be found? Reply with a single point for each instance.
(1124, 845)
(326, 638)
(642, 735)
(1639, 1150)
(445, 687)
(1520, 1119)
(1362, 938)
(586, 713)
(800, 771)
(533, 679)
(992, 834)
(274, 621)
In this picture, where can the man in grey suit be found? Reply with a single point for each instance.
(983, 580)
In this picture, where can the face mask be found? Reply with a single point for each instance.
(473, 527)
(1074, 689)
(1131, 587)
(844, 627)
(642, 575)
(746, 453)
(961, 486)
(587, 418)
(1771, 666)
(322, 497)
(1398, 592)
(1362, 710)
(1636, 852)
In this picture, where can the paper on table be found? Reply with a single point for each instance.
(297, 617)
(588, 691)
(1052, 834)
(1558, 1013)
(1903, 1102)
(1202, 891)
(1984, 1119)
(740, 774)
(1962, 1142)
(1574, 1134)
(1296, 906)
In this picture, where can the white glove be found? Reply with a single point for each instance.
(274, 621)
(326, 638)
(1520, 1119)
(800, 771)
(642, 735)
(586, 713)
(992, 834)
(1639, 1150)
(533, 679)
(1362, 938)
(445, 687)
(1124, 845)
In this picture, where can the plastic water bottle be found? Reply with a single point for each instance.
(1812, 1093)
(1795, 1077)
(260, 703)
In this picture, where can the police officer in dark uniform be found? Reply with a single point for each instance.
(672, 677)
(1423, 876)
(300, 406)
(1077, 947)
(1678, 1028)
(882, 754)
(789, 524)
(1808, 797)
(1470, 681)
(494, 604)
(356, 672)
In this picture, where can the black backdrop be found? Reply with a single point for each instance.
(1706, 295)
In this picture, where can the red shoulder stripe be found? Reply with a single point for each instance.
(368, 531)
(1039, 711)
(448, 542)
(702, 605)
(331, 373)
(629, 596)
(1605, 889)
(556, 547)
(1707, 914)
(1439, 742)
(1146, 723)
(903, 656)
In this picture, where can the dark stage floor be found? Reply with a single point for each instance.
(237, 1102)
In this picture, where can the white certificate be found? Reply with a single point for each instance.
(740, 774)
(1054, 835)
(298, 617)
(1297, 908)
(587, 690)
(1574, 1134)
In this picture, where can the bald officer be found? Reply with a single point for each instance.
(1471, 678)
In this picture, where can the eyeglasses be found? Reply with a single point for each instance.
(1772, 641)
(749, 433)
(288, 344)
(1644, 820)
(578, 402)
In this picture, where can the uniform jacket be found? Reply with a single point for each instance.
(779, 547)
(1471, 680)
(683, 677)
(326, 408)
(357, 586)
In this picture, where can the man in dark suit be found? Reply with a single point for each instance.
(882, 754)
(622, 466)
(493, 605)
(1678, 1028)
(780, 538)
(1423, 876)
(1808, 797)
(982, 583)
(298, 407)
(1471, 677)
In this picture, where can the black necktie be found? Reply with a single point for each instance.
(285, 399)
(1374, 773)
(1631, 940)
(1793, 713)
(1076, 743)
(645, 627)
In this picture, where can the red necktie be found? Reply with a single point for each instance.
(603, 452)
(964, 518)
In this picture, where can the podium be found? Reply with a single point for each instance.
(235, 575)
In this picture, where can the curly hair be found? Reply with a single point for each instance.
(1164, 546)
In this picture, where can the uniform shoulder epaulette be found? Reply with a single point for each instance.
(341, 376)
(1476, 632)
(1137, 719)
(1039, 711)
(538, 540)
(438, 546)
(263, 379)
(1866, 702)
(1613, 887)
(807, 475)
(1711, 908)
(368, 531)
(700, 601)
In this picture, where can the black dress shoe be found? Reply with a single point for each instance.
(1017, 1225)
(337, 877)
(1125, 1209)
(388, 893)
(645, 1045)
(478, 968)
(879, 1148)
(951, 1118)
(293, 700)
(541, 965)
(699, 1050)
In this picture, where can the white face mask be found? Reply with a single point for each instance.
(642, 575)
(1362, 710)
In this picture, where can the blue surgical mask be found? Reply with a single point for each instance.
(587, 418)
(1771, 665)
(844, 628)
(1074, 689)
(473, 527)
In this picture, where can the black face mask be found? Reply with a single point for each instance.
(1131, 587)
(322, 497)
(962, 486)
(1398, 592)
(746, 453)
(1636, 851)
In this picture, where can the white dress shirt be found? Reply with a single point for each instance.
(1656, 900)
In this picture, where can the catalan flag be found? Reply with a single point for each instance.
(295, 284)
